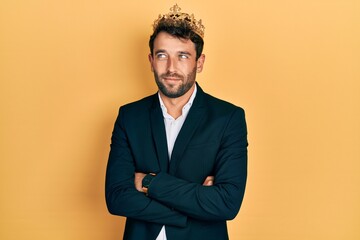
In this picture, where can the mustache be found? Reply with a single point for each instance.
(171, 75)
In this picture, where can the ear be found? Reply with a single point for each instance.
(151, 59)
(200, 63)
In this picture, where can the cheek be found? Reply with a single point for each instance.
(159, 66)
(186, 68)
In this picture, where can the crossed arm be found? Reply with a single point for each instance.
(172, 200)
(209, 181)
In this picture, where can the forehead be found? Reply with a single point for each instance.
(170, 43)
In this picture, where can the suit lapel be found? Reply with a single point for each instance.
(194, 118)
(159, 134)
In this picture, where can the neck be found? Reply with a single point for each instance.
(174, 106)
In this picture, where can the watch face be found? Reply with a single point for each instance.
(146, 180)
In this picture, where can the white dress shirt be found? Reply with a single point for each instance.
(173, 127)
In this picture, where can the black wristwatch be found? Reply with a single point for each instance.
(146, 181)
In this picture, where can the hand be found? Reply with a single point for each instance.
(209, 181)
(138, 181)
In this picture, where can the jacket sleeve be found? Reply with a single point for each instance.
(122, 198)
(221, 201)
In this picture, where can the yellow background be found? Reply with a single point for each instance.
(67, 65)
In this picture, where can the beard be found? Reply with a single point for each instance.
(174, 90)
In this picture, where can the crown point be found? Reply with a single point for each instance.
(175, 8)
(177, 17)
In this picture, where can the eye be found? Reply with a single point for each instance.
(161, 56)
(183, 56)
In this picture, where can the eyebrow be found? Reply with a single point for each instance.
(180, 52)
(159, 51)
(186, 53)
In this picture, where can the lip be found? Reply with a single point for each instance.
(171, 79)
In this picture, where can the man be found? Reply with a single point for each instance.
(178, 161)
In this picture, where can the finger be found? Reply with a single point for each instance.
(209, 183)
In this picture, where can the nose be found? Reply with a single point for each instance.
(171, 64)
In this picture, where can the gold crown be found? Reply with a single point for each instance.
(175, 17)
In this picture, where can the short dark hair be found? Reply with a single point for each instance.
(181, 30)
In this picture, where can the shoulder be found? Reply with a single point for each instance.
(222, 112)
(212, 103)
(137, 113)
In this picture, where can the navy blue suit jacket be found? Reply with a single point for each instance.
(212, 142)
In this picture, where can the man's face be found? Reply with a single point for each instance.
(174, 64)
